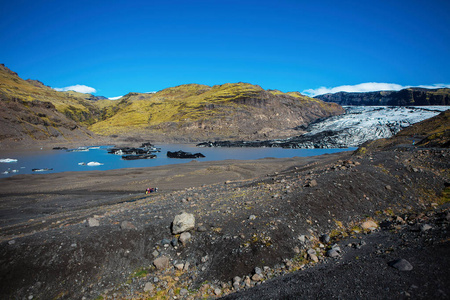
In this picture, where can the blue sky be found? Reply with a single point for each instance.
(116, 47)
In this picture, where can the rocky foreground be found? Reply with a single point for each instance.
(369, 224)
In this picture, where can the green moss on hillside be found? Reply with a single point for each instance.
(193, 105)
(72, 104)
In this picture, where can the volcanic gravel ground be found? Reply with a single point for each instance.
(261, 214)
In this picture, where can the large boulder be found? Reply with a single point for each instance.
(183, 222)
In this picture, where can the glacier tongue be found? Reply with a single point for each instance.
(362, 123)
(359, 124)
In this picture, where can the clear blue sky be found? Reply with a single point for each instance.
(118, 47)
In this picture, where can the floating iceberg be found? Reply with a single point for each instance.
(8, 160)
(94, 163)
(42, 170)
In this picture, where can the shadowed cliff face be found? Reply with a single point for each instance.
(411, 96)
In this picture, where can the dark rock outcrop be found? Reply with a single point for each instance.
(182, 154)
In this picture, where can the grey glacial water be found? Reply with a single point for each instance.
(22, 162)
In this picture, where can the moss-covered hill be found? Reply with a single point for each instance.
(77, 106)
(195, 112)
(31, 111)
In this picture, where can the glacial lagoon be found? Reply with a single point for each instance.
(97, 158)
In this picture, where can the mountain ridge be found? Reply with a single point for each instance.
(231, 110)
(184, 113)
(405, 97)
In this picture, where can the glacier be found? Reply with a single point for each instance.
(362, 123)
(357, 125)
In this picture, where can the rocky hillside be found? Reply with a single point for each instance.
(411, 96)
(31, 111)
(196, 112)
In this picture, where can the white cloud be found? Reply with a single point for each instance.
(77, 88)
(368, 87)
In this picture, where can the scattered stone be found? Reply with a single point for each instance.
(313, 257)
(325, 238)
(185, 237)
(236, 285)
(11, 242)
(165, 242)
(179, 266)
(155, 253)
(183, 222)
(205, 259)
(388, 187)
(425, 227)
(296, 250)
(161, 263)
(126, 225)
(93, 222)
(336, 247)
(237, 279)
(252, 217)
(184, 292)
(174, 242)
(217, 292)
(369, 225)
(332, 253)
(247, 281)
(257, 277)
(401, 265)
(400, 220)
(302, 238)
(202, 228)
(258, 271)
(186, 266)
(312, 183)
(289, 263)
(148, 287)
